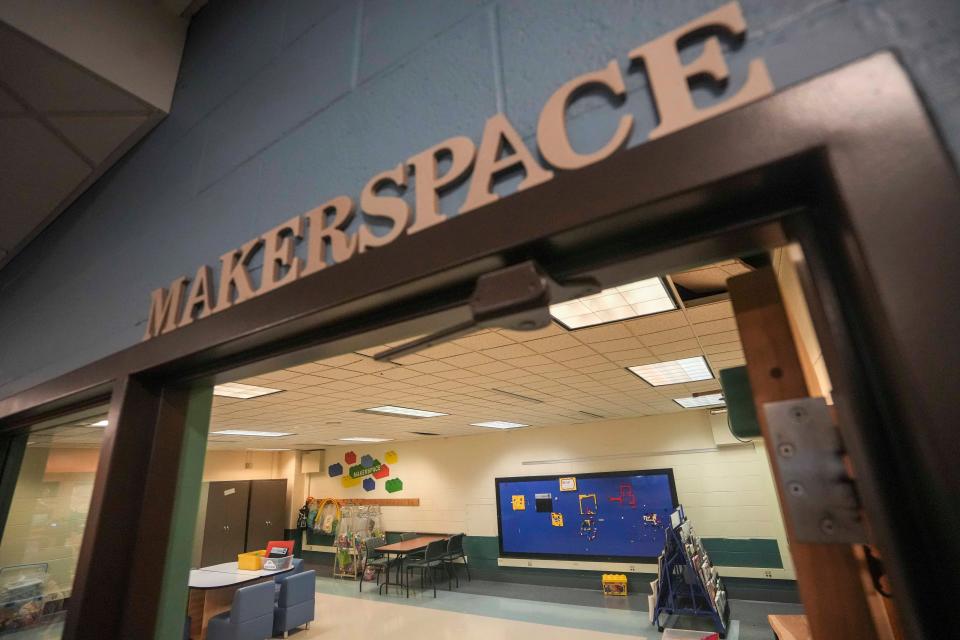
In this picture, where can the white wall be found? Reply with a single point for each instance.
(727, 492)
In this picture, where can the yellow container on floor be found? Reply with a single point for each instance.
(251, 560)
(614, 584)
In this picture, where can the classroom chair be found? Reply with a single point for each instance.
(373, 558)
(432, 560)
(296, 604)
(250, 617)
(454, 553)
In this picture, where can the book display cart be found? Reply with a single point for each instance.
(687, 582)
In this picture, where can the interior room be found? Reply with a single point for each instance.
(350, 452)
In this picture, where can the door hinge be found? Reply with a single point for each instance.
(516, 297)
(819, 494)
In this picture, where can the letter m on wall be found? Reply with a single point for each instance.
(165, 308)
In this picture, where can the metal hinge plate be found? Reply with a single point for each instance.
(819, 494)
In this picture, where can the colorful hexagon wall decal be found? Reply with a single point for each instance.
(347, 481)
(335, 470)
(383, 473)
(366, 460)
(350, 457)
(394, 485)
(390, 457)
(369, 484)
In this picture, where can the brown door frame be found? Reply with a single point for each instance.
(847, 163)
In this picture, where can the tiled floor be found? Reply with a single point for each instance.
(459, 615)
(473, 612)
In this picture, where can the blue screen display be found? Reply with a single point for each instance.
(619, 515)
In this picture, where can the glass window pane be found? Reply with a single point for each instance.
(45, 525)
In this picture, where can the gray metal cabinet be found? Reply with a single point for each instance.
(268, 512)
(242, 515)
(225, 530)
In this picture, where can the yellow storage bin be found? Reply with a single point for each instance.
(614, 584)
(251, 560)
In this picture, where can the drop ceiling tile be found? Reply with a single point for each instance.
(715, 326)
(424, 380)
(723, 347)
(605, 366)
(399, 373)
(510, 351)
(603, 333)
(445, 350)
(554, 343)
(368, 365)
(341, 360)
(529, 361)
(589, 361)
(413, 358)
(659, 322)
(310, 367)
(564, 355)
(709, 312)
(490, 368)
(553, 367)
(469, 360)
(673, 347)
(623, 344)
(719, 338)
(431, 366)
(679, 355)
(630, 354)
(340, 373)
(670, 335)
(338, 385)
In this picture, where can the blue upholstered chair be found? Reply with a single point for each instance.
(250, 617)
(296, 602)
(297, 568)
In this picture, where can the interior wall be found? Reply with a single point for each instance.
(267, 88)
(727, 491)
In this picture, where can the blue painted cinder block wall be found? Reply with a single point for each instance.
(283, 104)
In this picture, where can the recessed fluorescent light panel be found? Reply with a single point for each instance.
(100, 423)
(256, 434)
(363, 439)
(242, 391)
(498, 424)
(708, 400)
(659, 374)
(640, 298)
(404, 411)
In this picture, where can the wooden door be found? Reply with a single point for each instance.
(225, 530)
(268, 512)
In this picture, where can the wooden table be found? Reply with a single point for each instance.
(212, 589)
(790, 627)
(401, 549)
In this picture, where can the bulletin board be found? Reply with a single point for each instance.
(613, 516)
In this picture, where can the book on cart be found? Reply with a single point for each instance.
(687, 582)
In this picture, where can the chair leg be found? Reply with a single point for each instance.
(467, 567)
(363, 572)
